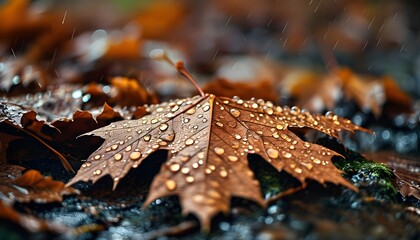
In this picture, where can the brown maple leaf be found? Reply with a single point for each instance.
(208, 139)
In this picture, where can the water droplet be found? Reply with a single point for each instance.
(147, 137)
(329, 114)
(118, 157)
(269, 111)
(272, 153)
(232, 124)
(254, 105)
(219, 151)
(163, 126)
(317, 161)
(159, 109)
(175, 167)
(190, 111)
(237, 136)
(295, 110)
(276, 135)
(232, 158)
(97, 157)
(128, 148)
(185, 170)
(116, 179)
(114, 147)
(135, 155)
(308, 166)
(286, 154)
(153, 121)
(298, 170)
(189, 179)
(189, 142)
(223, 173)
(97, 172)
(195, 165)
(279, 127)
(235, 112)
(107, 149)
(186, 120)
(206, 108)
(170, 185)
(201, 155)
(175, 108)
(219, 124)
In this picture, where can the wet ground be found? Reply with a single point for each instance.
(378, 211)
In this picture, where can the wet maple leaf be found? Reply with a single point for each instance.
(208, 139)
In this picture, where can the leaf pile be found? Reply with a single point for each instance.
(208, 139)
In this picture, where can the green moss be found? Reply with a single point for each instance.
(373, 179)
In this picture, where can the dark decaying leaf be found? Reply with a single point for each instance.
(30, 223)
(208, 139)
(25, 120)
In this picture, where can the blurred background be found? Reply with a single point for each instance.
(358, 58)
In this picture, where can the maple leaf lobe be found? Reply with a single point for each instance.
(208, 139)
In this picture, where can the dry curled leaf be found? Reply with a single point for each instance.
(31, 186)
(35, 187)
(209, 139)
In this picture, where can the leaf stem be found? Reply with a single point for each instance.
(161, 55)
(184, 72)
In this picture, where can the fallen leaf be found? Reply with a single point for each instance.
(30, 223)
(208, 139)
(24, 119)
(368, 94)
(32, 186)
